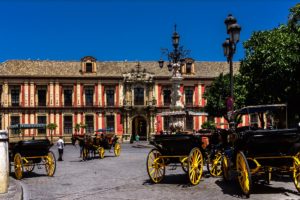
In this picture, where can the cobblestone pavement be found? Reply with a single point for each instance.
(125, 177)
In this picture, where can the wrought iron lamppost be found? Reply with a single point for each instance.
(229, 46)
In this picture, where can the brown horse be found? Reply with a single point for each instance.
(87, 145)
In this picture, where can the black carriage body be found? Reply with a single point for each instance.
(176, 145)
(277, 142)
(32, 148)
(107, 141)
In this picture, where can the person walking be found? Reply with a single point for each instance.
(60, 146)
(137, 138)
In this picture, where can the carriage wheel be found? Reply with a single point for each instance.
(184, 164)
(18, 162)
(214, 165)
(296, 172)
(101, 152)
(117, 149)
(244, 175)
(226, 169)
(85, 153)
(29, 167)
(50, 164)
(195, 166)
(155, 166)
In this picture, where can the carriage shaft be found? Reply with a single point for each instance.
(258, 165)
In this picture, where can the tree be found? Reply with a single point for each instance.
(208, 125)
(78, 126)
(217, 93)
(52, 127)
(271, 67)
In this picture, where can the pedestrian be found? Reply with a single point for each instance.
(60, 146)
(137, 138)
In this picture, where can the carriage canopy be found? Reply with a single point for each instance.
(259, 109)
(27, 126)
(103, 130)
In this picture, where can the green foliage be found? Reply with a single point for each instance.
(52, 127)
(294, 17)
(209, 125)
(78, 126)
(271, 68)
(217, 93)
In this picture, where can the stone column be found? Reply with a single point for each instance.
(31, 94)
(151, 92)
(4, 163)
(51, 92)
(5, 94)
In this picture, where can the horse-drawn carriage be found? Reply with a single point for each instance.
(256, 153)
(24, 154)
(183, 149)
(215, 150)
(96, 144)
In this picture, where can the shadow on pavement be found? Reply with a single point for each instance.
(29, 174)
(181, 180)
(232, 188)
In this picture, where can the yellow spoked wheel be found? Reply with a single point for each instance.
(50, 164)
(184, 164)
(155, 166)
(117, 149)
(18, 162)
(226, 168)
(244, 175)
(195, 166)
(29, 167)
(214, 165)
(101, 152)
(296, 172)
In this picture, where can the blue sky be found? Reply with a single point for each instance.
(116, 30)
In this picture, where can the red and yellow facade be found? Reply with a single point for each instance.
(126, 96)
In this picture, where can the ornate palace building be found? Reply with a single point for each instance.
(125, 96)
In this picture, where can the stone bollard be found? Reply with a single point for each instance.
(4, 162)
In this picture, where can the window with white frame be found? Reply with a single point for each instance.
(110, 122)
(42, 120)
(15, 95)
(68, 96)
(68, 122)
(189, 93)
(110, 97)
(13, 121)
(89, 96)
(89, 122)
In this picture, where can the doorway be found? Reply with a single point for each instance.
(139, 126)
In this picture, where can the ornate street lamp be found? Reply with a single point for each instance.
(229, 46)
(176, 59)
